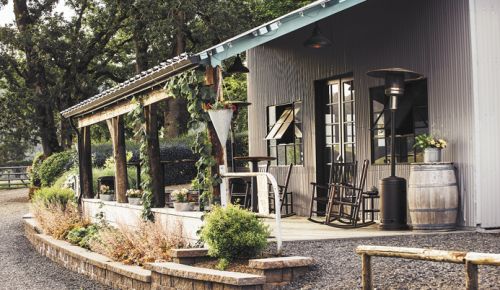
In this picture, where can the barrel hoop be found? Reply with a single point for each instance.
(433, 185)
(433, 209)
(433, 226)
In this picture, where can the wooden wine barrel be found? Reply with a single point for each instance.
(433, 196)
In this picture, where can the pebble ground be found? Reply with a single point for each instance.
(21, 267)
(339, 267)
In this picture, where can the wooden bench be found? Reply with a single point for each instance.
(471, 261)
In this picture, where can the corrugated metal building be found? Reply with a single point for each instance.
(453, 43)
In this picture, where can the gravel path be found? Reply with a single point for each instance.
(21, 267)
(338, 267)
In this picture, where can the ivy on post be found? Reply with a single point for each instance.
(117, 130)
(217, 148)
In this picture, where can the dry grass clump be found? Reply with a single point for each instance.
(148, 242)
(57, 219)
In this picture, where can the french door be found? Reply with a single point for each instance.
(336, 112)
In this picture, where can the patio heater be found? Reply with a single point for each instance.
(393, 188)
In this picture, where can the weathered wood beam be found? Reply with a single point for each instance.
(153, 151)
(471, 276)
(413, 253)
(84, 146)
(120, 109)
(366, 272)
(483, 258)
(117, 131)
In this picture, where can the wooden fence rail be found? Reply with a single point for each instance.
(470, 259)
(13, 176)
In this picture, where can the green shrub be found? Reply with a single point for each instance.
(99, 172)
(53, 195)
(82, 236)
(54, 166)
(35, 168)
(233, 233)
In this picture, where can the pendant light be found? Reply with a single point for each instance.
(317, 40)
(237, 66)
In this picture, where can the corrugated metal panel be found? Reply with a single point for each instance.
(485, 30)
(430, 37)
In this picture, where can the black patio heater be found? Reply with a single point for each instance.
(393, 188)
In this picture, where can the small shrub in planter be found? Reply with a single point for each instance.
(82, 236)
(134, 196)
(233, 233)
(105, 193)
(181, 202)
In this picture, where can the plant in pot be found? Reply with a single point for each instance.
(432, 147)
(105, 193)
(134, 196)
(181, 202)
(221, 115)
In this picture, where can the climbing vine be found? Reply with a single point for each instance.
(139, 123)
(191, 86)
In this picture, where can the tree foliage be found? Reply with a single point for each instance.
(50, 61)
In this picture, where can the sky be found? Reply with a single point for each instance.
(7, 12)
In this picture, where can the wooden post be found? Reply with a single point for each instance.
(366, 272)
(84, 146)
(215, 75)
(117, 130)
(153, 151)
(471, 280)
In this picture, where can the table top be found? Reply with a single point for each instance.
(254, 158)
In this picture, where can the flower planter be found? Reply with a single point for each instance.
(432, 155)
(134, 200)
(182, 206)
(221, 119)
(107, 197)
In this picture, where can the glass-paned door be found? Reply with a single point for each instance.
(340, 120)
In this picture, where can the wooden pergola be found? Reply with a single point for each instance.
(112, 104)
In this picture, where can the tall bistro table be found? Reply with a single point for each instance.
(254, 167)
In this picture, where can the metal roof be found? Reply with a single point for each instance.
(214, 55)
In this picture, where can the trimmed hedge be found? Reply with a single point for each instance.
(54, 166)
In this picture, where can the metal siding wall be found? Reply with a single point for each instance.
(485, 29)
(430, 37)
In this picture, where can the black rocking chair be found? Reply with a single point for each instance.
(286, 197)
(341, 173)
(344, 202)
(240, 191)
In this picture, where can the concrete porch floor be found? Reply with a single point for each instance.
(300, 229)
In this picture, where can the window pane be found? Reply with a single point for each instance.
(271, 115)
(298, 154)
(349, 112)
(348, 91)
(281, 155)
(290, 154)
(334, 93)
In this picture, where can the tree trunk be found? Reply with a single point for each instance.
(176, 115)
(36, 81)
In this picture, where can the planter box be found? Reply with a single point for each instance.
(134, 200)
(107, 197)
(277, 271)
(182, 206)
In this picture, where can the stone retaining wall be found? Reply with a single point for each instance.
(93, 265)
(268, 272)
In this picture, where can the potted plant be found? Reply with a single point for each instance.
(181, 202)
(432, 147)
(105, 193)
(134, 196)
(221, 114)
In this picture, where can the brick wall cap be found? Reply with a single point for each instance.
(280, 262)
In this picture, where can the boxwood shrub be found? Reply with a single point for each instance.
(233, 233)
(54, 166)
(53, 195)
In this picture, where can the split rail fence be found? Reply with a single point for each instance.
(13, 177)
(471, 260)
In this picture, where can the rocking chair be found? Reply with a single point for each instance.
(340, 173)
(344, 202)
(286, 197)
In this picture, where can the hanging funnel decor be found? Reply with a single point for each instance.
(221, 119)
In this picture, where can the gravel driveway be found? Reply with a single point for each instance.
(338, 267)
(21, 267)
